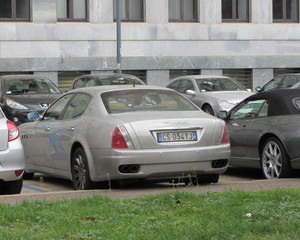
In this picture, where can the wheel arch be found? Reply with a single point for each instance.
(264, 138)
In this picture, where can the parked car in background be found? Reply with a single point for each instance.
(102, 79)
(265, 132)
(12, 162)
(210, 93)
(108, 133)
(291, 80)
(21, 94)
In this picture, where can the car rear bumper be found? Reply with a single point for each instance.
(12, 160)
(156, 164)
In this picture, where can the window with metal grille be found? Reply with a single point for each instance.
(182, 10)
(235, 10)
(15, 10)
(286, 10)
(131, 10)
(65, 79)
(183, 72)
(279, 71)
(72, 10)
(141, 74)
(243, 76)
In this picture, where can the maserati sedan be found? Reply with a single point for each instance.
(97, 135)
(265, 132)
(210, 93)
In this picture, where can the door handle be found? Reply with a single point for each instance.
(47, 129)
(235, 124)
(72, 129)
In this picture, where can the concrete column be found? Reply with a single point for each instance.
(101, 11)
(53, 76)
(157, 77)
(261, 76)
(211, 72)
(262, 11)
(157, 11)
(210, 11)
(44, 11)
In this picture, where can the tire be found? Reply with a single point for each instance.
(208, 109)
(12, 187)
(80, 171)
(202, 179)
(274, 160)
(28, 176)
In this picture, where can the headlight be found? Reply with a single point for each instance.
(13, 104)
(226, 105)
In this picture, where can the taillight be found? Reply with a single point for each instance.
(13, 132)
(225, 135)
(118, 139)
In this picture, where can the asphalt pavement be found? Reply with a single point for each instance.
(150, 189)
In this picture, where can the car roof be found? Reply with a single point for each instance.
(106, 75)
(107, 88)
(203, 76)
(280, 101)
(24, 76)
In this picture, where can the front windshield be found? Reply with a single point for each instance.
(119, 80)
(22, 86)
(279, 82)
(145, 100)
(219, 84)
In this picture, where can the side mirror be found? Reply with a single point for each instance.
(190, 92)
(222, 114)
(258, 89)
(32, 116)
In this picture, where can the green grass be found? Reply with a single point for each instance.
(275, 214)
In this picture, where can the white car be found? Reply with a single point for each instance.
(12, 161)
(211, 93)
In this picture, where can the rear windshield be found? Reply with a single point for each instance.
(145, 100)
(30, 86)
(1, 114)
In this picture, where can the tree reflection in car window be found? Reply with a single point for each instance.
(250, 109)
(54, 111)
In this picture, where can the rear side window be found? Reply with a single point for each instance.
(145, 100)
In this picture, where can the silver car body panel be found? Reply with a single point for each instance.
(11, 154)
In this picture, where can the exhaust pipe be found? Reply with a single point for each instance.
(130, 168)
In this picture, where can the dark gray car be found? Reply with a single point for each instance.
(265, 132)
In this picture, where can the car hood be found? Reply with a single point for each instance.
(230, 96)
(36, 102)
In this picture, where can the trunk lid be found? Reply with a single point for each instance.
(171, 129)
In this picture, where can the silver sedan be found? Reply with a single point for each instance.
(12, 162)
(102, 134)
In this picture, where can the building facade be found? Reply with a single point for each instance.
(251, 40)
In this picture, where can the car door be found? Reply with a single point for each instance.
(39, 139)
(67, 130)
(243, 133)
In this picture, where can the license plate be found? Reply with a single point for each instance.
(181, 136)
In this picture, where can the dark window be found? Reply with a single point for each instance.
(72, 10)
(286, 10)
(185, 85)
(235, 10)
(131, 10)
(182, 10)
(183, 72)
(15, 10)
(243, 76)
(250, 109)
